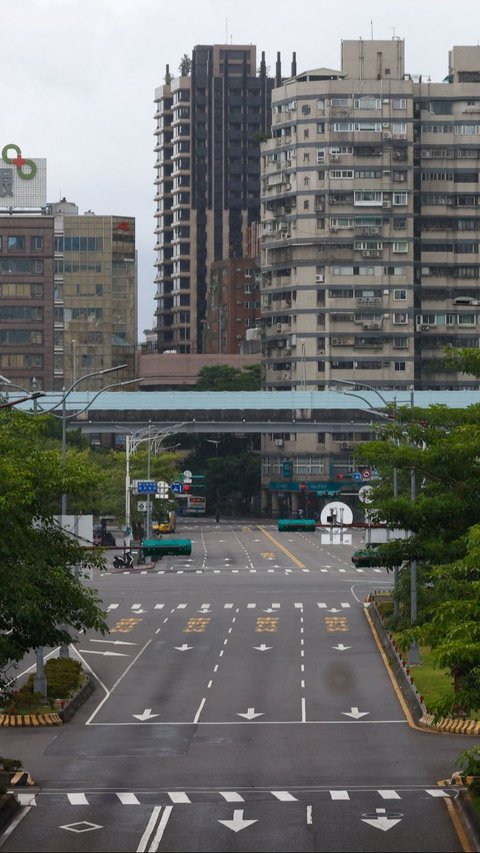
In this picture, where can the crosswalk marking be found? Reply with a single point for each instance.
(77, 799)
(128, 799)
(179, 797)
(284, 796)
(231, 796)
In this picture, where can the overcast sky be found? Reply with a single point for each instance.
(79, 78)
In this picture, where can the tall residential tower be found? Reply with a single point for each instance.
(209, 125)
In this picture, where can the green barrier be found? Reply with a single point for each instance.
(158, 548)
(285, 524)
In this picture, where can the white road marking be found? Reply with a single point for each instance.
(389, 795)
(77, 799)
(128, 799)
(339, 795)
(284, 796)
(179, 797)
(231, 796)
(200, 708)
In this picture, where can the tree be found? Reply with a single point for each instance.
(39, 588)
(222, 377)
(185, 65)
(442, 447)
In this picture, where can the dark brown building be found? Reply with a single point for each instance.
(27, 299)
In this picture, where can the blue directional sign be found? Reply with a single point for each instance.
(146, 487)
(357, 475)
(177, 487)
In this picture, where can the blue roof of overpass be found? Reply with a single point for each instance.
(246, 400)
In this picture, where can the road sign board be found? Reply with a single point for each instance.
(338, 511)
(187, 476)
(357, 475)
(146, 487)
(365, 494)
(142, 506)
(177, 487)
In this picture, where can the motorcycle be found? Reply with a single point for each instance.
(123, 562)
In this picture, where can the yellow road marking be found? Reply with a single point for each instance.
(266, 623)
(336, 623)
(124, 625)
(196, 624)
(281, 547)
(268, 555)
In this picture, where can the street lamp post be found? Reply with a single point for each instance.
(132, 441)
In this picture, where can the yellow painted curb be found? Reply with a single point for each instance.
(21, 720)
(451, 725)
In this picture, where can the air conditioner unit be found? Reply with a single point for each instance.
(387, 135)
(376, 326)
(334, 156)
(425, 270)
(424, 328)
(279, 327)
(321, 352)
(386, 101)
(333, 228)
(386, 204)
(319, 278)
(386, 124)
(279, 442)
(366, 253)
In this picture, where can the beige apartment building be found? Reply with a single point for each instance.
(371, 233)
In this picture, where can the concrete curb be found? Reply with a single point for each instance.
(469, 817)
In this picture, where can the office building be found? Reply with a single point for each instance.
(209, 124)
(68, 289)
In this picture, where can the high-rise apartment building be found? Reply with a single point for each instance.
(209, 125)
(371, 232)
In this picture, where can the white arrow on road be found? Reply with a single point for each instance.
(355, 713)
(341, 647)
(238, 822)
(106, 654)
(115, 642)
(270, 610)
(334, 610)
(183, 648)
(251, 714)
(381, 821)
(263, 647)
(147, 715)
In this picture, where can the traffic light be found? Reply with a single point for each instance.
(186, 487)
(303, 488)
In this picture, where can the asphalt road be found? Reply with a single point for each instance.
(241, 704)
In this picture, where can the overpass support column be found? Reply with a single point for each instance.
(275, 506)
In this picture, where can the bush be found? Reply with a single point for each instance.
(64, 676)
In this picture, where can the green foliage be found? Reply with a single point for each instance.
(438, 503)
(222, 377)
(468, 763)
(185, 65)
(40, 590)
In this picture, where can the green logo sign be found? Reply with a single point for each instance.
(19, 162)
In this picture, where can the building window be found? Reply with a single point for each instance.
(400, 318)
(36, 243)
(400, 246)
(399, 365)
(400, 199)
(399, 295)
(16, 243)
